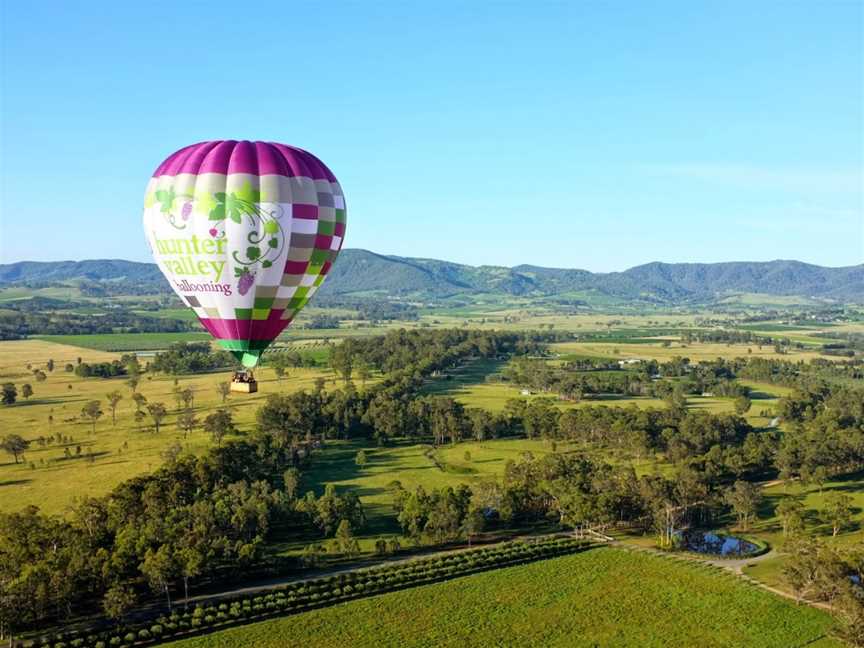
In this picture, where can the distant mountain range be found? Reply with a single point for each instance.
(361, 271)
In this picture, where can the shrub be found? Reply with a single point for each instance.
(114, 641)
(130, 637)
(99, 644)
(209, 619)
(144, 634)
(156, 630)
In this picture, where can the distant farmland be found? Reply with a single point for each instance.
(120, 342)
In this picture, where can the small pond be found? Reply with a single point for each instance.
(708, 542)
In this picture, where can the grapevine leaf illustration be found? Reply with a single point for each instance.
(218, 212)
(149, 199)
(166, 198)
(253, 252)
(266, 264)
(204, 203)
(247, 194)
(273, 243)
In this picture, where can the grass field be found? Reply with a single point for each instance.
(769, 527)
(469, 386)
(695, 351)
(120, 451)
(601, 597)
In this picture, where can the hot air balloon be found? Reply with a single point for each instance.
(245, 233)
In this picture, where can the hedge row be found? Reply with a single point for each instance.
(318, 592)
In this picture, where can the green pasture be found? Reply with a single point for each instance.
(411, 464)
(601, 597)
(416, 464)
(769, 526)
(469, 385)
(113, 453)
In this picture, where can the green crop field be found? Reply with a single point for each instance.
(601, 597)
(118, 452)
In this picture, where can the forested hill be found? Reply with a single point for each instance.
(361, 271)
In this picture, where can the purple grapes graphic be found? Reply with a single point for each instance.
(187, 209)
(246, 280)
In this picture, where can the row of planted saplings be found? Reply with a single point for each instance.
(318, 592)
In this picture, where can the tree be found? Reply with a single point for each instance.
(92, 411)
(291, 478)
(118, 600)
(802, 570)
(10, 394)
(139, 418)
(40, 375)
(187, 422)
(159, 568)
(26, 391)
(279, 364)
(114, 398)
(191, 562)
(742, 405)
(791, 512)
(171, 453)
(223, 389)
(360, 459)
(140, 400)
(14, 444)
(363, 373)
(218, 424)
(838, 511)
(344, 541)
(380, 547)
(133, 383)
(50, 365)
(342, 361)
(188, 397)
(474, 523)
(744, 498)
(157, 412)
(177, 392)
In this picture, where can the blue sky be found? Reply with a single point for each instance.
(596, 135)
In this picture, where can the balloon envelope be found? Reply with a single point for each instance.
(245, 233)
